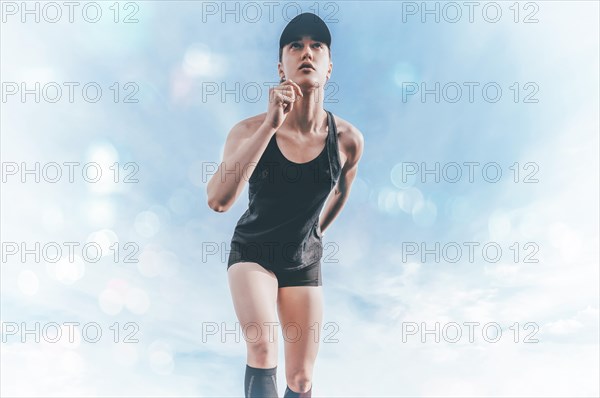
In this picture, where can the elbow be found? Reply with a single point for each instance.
(212, 202)
(217, 205)
(218, 201)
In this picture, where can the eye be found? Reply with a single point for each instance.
(295, 44)
(318, 45)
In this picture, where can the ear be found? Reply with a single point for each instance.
(329, 70)
(280, 72)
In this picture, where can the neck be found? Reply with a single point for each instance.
(308, 115)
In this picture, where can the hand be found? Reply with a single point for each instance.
(281, 102)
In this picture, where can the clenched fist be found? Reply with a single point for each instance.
(281, 102)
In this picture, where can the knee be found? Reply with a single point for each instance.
(263, 353)
(300, 381)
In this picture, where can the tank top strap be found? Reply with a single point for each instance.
(333, 150)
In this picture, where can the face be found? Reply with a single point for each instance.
(306, 51)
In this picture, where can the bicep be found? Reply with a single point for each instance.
(235, 140)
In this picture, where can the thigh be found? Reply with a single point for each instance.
(300, 311)
(254, 294)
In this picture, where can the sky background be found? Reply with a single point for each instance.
(541, 133)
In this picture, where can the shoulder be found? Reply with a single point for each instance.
(248, 126)
(350, 138)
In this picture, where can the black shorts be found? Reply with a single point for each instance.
(307, 276)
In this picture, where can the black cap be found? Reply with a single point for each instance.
(306, 24)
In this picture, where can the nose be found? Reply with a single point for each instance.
(307, 52)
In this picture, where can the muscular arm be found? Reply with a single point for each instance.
(338, 196)
(244, 146)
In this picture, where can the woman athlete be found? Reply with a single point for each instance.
(301, 153)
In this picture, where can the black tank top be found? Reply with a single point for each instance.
(279, 230)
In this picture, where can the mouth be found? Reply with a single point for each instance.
(306, 65)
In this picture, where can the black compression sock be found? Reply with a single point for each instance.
(291, 394)
(260, 383)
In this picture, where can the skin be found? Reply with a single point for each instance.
(295, 113)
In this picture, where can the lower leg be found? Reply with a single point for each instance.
(291, 394)
(260, 383)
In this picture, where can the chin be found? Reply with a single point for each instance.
(308, 82)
